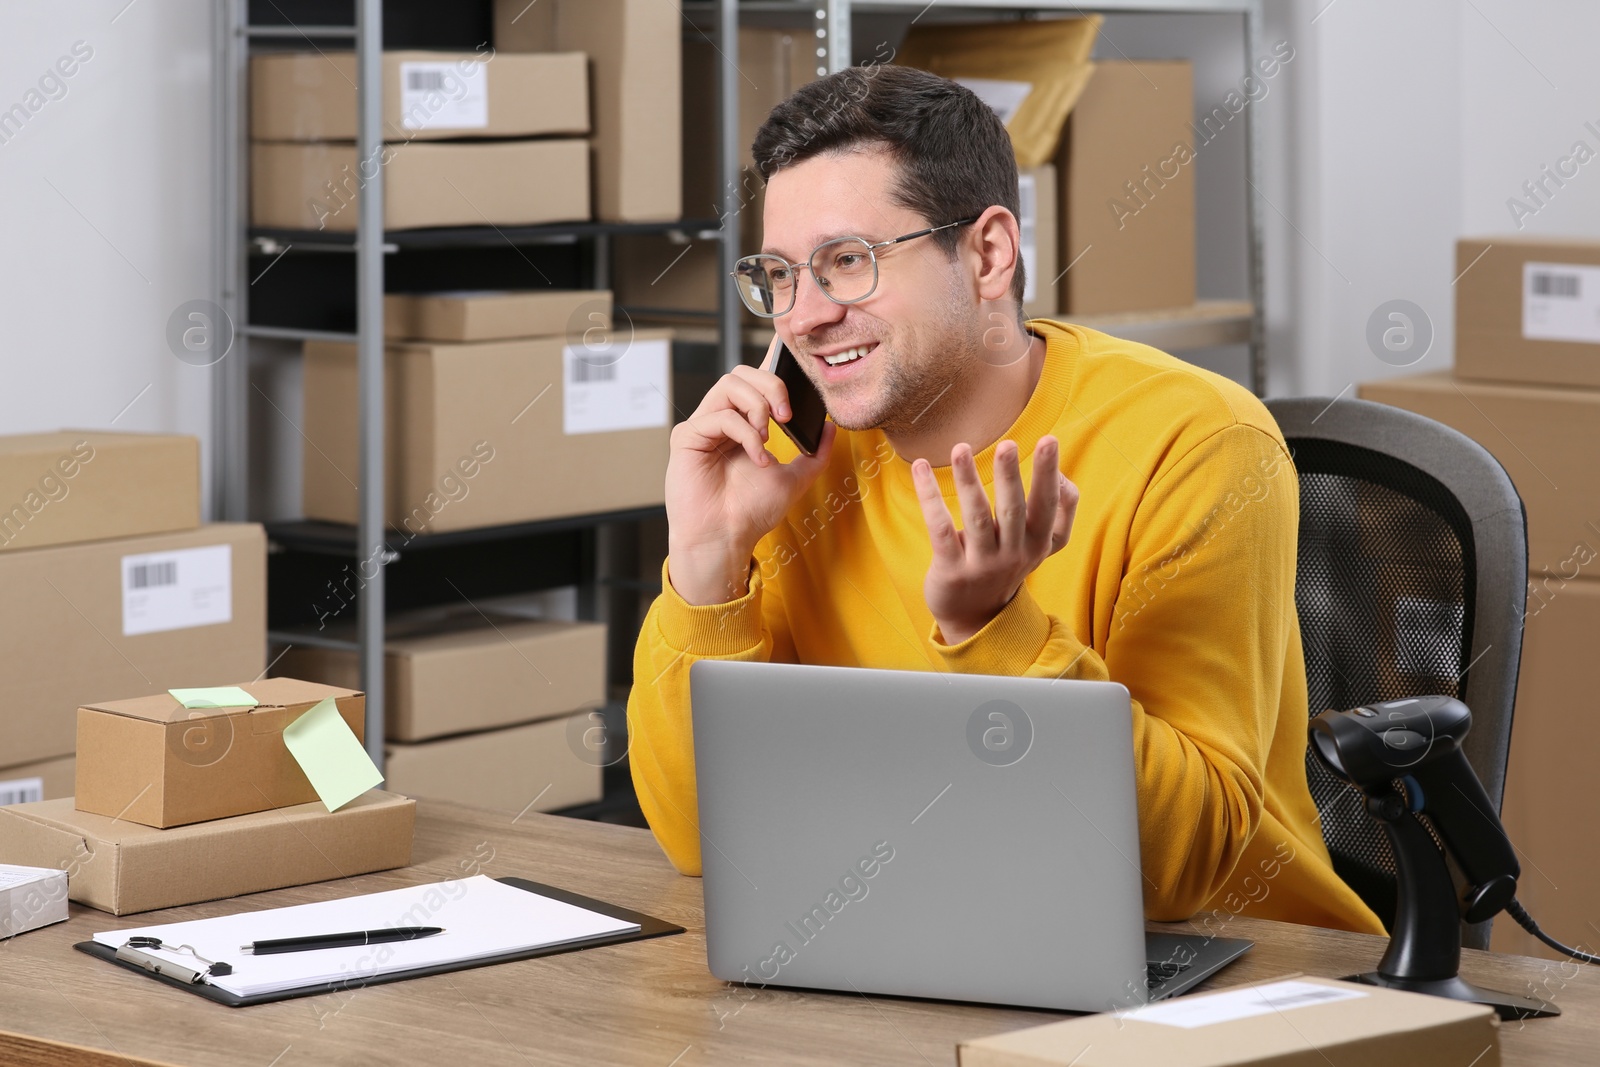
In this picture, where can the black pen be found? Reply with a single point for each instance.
(351, 940)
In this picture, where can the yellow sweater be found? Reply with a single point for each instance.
(1178, 582)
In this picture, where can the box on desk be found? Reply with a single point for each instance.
(498, 432)
(150, 760)
(496, 316)
(518, 768)
(1528, 310)
(44, 779)
(89, 485)
(463, 675)
(635, 52)
(122, 867)
(95, 620)
(316, 185)
(311, 96)
(1293, 1022)
(1545, 438)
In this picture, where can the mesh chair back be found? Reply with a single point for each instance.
(1411, 580)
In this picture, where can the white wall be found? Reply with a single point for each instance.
(105, 224)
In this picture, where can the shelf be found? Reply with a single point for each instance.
(804, 8)
(338, 539)
(479, 236)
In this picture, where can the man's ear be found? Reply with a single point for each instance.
(997, 241)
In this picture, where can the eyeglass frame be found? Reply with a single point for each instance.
(872, 251)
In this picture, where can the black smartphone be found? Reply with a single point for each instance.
(807, 412)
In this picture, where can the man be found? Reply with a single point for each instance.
(1174, 576)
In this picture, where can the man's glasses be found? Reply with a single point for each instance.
(846, 270)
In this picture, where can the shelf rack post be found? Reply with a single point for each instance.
(728, 156)
(373, 550)
(230, 376)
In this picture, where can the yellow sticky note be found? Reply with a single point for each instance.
(327, 750)
(221, 696)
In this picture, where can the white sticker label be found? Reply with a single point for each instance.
(1561, 302)
(176, 590)
(618, 386)
(20, 791)
(1192, 1012)
(1004, 97)
(1028, 223)
(448, 95)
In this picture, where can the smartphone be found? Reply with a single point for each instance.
(807, 411)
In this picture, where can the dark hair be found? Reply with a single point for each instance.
(953, 151)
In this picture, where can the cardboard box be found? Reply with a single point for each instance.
(91, 621)
(1126, 175)
(316, 186)
(150, 760)
(1286, 1023)
(495, 433)
(46, 779)
(89, 485)
(123, 867)
(1545, 809)
(1528, 310)
(311, 96)
(465, 674)
(1036, 201)
(517, 769)
(773, 63)
(1545, 438)
(495, 316)
(635, 52)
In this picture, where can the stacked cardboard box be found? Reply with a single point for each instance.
(511, 157)
(1526, 386)
(485, 712)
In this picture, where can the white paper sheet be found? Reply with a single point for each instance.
(481, 918)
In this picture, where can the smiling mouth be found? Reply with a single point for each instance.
(849, 355)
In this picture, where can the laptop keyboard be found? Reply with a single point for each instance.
(1157, 972)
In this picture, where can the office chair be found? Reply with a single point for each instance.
(1411, 580)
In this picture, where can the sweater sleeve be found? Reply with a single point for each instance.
(1198, 635)
(674, 635)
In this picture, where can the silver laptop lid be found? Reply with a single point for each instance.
(964, 837)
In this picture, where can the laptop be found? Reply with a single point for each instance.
(920, 834)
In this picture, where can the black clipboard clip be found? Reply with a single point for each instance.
(132, 951)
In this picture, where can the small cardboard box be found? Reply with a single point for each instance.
(1126, 175)
(45, 779)
(463, 675)
(311, 96)
(498, 432)
(635, 52)
(132, 615)
(123, 867)
(1545, 438)
(1289, 1023)
(89, 485)
(150, 760)
(1528, 310)
(495, 316)
(516, 769)
(316, 186)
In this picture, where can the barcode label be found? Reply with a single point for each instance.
(444, 95)
(176, 590)
(1556, 285)
(1028, 223)
(145, 575)
(1192, 1012)
(1561, 302)
(21, 791)
(584, 371)
(425, 81)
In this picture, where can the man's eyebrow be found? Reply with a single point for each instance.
(857, 234)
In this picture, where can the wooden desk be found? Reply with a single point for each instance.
(650, 1002)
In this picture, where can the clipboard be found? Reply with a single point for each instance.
(649, 927)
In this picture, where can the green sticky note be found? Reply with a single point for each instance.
(327, 750)
(221, 696)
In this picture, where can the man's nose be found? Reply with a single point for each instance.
(811, 309)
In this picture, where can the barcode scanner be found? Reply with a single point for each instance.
(1405, 757)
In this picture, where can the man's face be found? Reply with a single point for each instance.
(920, 326)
